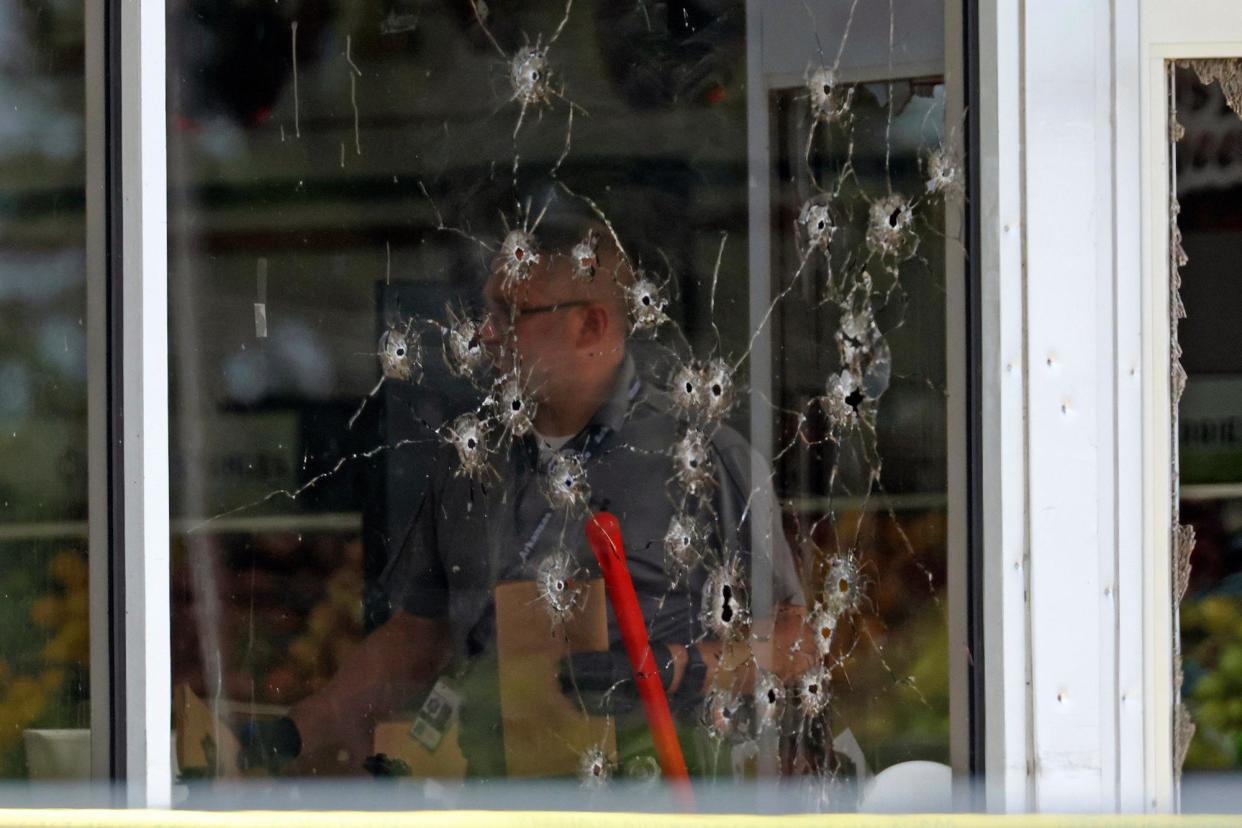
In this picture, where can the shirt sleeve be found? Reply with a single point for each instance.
(746, 492)
(420, 585)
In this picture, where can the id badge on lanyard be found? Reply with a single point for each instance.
(436, 715)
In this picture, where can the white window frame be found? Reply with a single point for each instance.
(1078, 671)
(1077, 420)
(770, 70)
(127, 220)
(127, 256)
(1170, 31)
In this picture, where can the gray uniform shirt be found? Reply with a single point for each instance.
(467, 535)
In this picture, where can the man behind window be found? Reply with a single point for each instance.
(560, 324)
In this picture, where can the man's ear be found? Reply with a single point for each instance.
(594, 327)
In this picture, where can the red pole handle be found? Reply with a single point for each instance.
(603, 532)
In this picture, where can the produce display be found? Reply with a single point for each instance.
(1211, 635)
(44, 655)
(289, 611)
(893, 688)
(1212, 642)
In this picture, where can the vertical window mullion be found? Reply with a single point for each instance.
(98, 387)
(130, 314)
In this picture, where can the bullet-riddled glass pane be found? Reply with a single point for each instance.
(448, 279)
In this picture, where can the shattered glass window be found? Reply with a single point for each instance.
(1207, 136)
(44, 614)
(558, 392)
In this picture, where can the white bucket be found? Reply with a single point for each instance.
(58, 754)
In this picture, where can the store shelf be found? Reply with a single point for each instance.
(314, 522)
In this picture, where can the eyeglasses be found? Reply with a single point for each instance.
(501, 318)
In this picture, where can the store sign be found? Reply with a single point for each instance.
(242, 458)
(1210, 152)
(42, 468)
(1210, 430)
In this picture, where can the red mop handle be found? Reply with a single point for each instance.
(604, 534)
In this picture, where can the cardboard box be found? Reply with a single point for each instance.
(545, 733)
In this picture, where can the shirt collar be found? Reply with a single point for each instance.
(609, 417)
(612, 414)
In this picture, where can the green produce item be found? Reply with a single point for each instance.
(1212, 655)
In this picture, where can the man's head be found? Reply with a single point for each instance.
(565, 333)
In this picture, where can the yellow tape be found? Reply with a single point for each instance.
(95, 818)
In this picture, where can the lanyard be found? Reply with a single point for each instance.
(593, 443)
(528, 547)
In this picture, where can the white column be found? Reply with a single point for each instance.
(144, 403)
(1066, 136)
(1003, 322)
(1068, 658)
(1130, 459)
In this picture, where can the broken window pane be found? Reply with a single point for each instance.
(1208, 131)
(449, 280)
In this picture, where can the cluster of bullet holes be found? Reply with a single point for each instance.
(703, 390)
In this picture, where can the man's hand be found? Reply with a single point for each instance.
(388, 668)
(605, 680)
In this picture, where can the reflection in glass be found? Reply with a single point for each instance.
(44, 712)
(871, 320)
